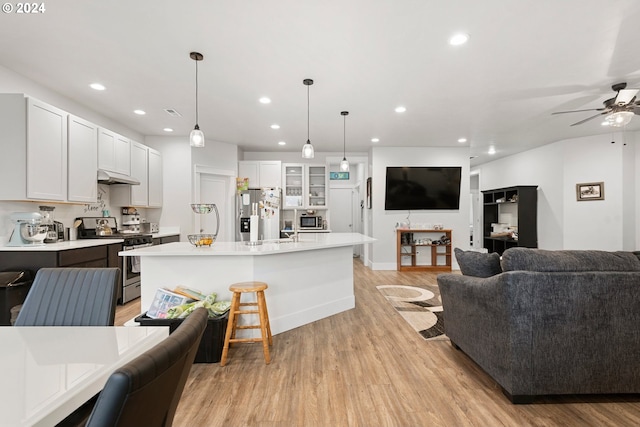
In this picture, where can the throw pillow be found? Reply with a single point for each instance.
(478, 264)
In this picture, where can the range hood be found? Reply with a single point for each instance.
(108, 177)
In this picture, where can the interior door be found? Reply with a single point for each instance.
(215, 189)
(344, 216)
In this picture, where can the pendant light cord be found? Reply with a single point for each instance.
(308, 113)
(196, 92)
(344, 137)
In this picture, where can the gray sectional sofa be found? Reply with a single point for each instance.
(551, 322)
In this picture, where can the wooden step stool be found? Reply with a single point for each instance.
(234, 311)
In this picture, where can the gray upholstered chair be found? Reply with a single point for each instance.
(146, 391)
(71, 297)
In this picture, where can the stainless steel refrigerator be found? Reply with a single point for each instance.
(265, 203)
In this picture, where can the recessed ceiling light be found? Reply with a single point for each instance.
(459, 39)
(492, 151)
(265, 100)
(462, 140)
(375, 139)
(97, 86)
(400, 109)
(282, 143)
(167, 130)
(275, 126)
(139, 112)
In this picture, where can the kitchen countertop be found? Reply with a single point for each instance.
(61, 246)
(308, 242)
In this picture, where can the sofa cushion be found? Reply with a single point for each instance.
(478, 264)
(528, 259)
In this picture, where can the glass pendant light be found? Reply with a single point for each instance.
(196, 137)
(307, 149)
(344, 164)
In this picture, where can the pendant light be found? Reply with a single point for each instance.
(307, 149)
(344, 164)
(196, 138)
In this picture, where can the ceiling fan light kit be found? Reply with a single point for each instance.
(196, 137)
(307, 149)
(618, 110)
(344, 164)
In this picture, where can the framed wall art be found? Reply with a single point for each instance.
(590, 191)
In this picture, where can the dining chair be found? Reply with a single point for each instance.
(147, 390)
(71, 297)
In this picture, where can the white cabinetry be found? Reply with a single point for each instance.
(82, 160)
(155, 178)
(114, 152)
(316, 194)
(304, 186)
(33, 163)
(146, 167)
(293, 185)
(261, 173)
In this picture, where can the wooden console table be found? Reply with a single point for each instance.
(409, 247)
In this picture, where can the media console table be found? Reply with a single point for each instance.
(415, 254)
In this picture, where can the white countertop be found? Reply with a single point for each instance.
(50, 371)
(306, 242)
(61, 246)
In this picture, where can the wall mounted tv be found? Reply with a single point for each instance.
(413, 188)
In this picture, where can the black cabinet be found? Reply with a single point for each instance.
(510, 218)
(166, 239)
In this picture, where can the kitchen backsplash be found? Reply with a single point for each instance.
(66, 213)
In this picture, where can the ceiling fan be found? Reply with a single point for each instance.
(619, 109)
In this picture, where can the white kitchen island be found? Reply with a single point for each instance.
(308, 280)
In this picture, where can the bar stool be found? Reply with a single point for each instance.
(234, 311)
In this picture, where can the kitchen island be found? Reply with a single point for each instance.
(308, 280)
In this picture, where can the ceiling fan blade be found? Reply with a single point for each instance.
(578, 111)
(625, 96)
(589, 118)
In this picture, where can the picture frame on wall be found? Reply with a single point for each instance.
(590, 191)
(369, 193)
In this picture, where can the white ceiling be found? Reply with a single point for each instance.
(525, 59)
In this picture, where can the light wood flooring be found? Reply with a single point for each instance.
(367, 367)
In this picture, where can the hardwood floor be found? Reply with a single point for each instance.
(367, 367)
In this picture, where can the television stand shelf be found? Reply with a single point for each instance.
(413, 254)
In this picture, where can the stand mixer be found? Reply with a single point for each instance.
(27, 231)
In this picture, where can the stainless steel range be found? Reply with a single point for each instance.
(107, 228)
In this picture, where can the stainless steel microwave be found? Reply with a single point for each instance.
(307, 221)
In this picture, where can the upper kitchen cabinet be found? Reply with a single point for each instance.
(114, 152)
(317, 186)
(261, 173)
(146, 167)
(293, 185)
(305, 186)
(82, 160)
(33, 164)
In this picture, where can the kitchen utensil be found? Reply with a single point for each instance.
(77, 223)
(102, 228)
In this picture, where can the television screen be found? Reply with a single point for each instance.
(412, 188)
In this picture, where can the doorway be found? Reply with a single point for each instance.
(346, 212)
(215, 186)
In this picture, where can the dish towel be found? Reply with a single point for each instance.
(135, 264)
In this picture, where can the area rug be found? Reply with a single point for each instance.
(420, 306)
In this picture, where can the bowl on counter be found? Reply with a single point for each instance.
(201, 239)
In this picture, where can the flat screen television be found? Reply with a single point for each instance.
(422, 187)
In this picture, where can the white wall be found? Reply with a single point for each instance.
(564, 222)
(383, 256)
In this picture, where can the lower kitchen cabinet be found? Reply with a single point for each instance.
(101, 256)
